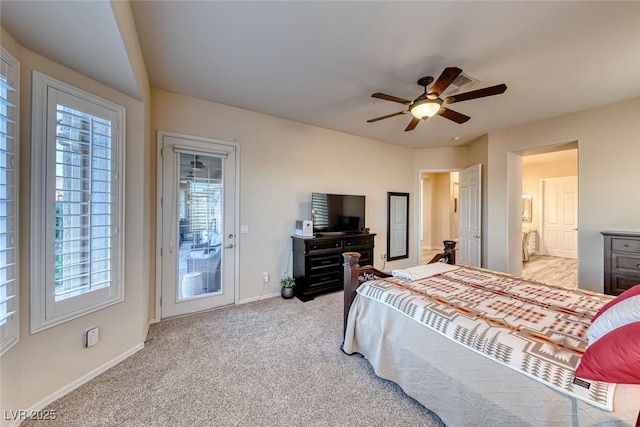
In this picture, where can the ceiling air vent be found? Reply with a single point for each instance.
(462, 83)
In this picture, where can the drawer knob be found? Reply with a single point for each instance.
(626, 245)
(638, 265)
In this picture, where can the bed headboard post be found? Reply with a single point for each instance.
(448, 254)
(450, 251)
(351, 265)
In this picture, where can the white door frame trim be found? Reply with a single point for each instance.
(159, 171)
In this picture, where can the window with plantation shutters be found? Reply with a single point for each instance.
(320, 210)
(9, 85)
(79, 200)
(204, 205)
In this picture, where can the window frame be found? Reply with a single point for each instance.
(45, 310)
(10, 329)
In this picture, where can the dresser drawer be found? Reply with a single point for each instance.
(352, 242)
(317, 262)
(323, 245)
(620, 244)
(327, 279)
(620, 283)
(625, 263)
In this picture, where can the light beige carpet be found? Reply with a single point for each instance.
(270, 363)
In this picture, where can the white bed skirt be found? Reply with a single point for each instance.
(463, 387)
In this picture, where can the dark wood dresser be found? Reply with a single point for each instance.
(621, 261)
(317, 261)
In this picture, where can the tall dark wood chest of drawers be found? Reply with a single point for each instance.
(317, 261)
(621, 261)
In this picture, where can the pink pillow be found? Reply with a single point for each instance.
(614, 358)
(634, 290)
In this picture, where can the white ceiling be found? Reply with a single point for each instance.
(319, 62)
(82, 35)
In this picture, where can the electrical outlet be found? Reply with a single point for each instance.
(92, 337)
(284, 273)
(265, 277)
(383, 256)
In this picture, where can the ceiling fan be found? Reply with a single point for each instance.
(429, 103)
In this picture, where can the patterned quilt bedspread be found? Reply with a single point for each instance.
(537, 330)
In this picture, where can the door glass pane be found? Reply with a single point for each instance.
(199, 225)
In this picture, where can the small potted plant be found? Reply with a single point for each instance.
(287, 287)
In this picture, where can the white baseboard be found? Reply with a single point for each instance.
(258, 298)
(39, 406)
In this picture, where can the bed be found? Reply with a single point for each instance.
(419, 334)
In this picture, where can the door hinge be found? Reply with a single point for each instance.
(160, 251)
(162, 152)
(160, 301)
(161, 202)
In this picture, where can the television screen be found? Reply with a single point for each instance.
(337, 213)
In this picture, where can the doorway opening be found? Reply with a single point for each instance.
(439, 211)
(550, 216)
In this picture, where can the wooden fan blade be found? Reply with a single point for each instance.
(412, 124)
(448, 75)
(479, 93)
(387, 116)
(391, 98)
(453, 115)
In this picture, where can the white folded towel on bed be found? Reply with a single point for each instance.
(422, 271)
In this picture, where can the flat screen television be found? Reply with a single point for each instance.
(337, 213)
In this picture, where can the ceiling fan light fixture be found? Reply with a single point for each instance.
(426, 108)
(196, 164)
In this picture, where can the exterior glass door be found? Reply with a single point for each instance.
(198, 225)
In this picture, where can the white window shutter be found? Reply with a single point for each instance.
(78, 203)
(9, 98)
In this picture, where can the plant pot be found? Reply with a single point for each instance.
(287, 293)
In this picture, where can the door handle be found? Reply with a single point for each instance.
(229, 246)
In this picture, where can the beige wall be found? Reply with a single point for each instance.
(42, 365)
(608, 169)
(281, 164)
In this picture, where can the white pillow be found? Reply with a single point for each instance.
(423, 271)
(625, 312)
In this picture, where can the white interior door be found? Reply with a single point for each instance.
(196, 224)
(469, 233)
(560, 217)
